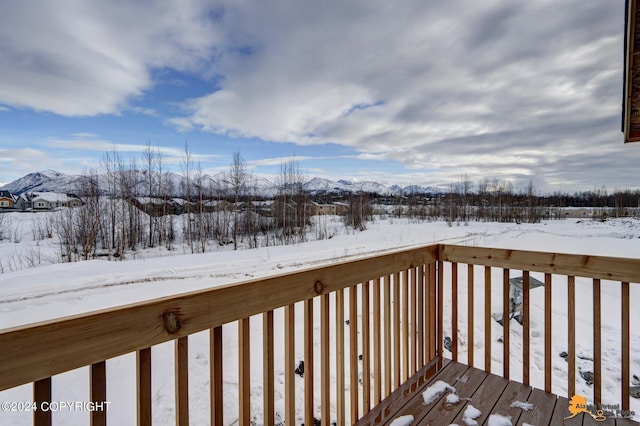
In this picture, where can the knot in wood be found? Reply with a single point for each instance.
(318, 287)
(171, 322)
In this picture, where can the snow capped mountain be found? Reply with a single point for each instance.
(44, 181)
(174, 183)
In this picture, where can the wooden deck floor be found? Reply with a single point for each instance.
(488, 393)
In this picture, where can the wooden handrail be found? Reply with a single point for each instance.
(85, 339)
(601, 267)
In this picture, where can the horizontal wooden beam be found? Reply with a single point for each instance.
(607, 268)
(34, 352)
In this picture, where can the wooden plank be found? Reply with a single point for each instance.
(268, 373)
(561, 414)
(571, 300)
(626, 372)
(506, 321)
(340, 398)
(98, 390)
(413, 403)
(543, 406)
(597, 343)
(308, 361)
(366, 345)
(181, 347)
(484, 398)
(608, 268)
(42, 394)
(82, 340)
(215, 373)
(526, 328)
(143, 387)
(387, 335)
(441, 413)
(590, 421)
(470, 315)
(353, 355)
(377, 347)
(325, 358)
(487, 319)
(410, 389)
(513, 392)
(454, 311)
(547, 332)
(289, 364)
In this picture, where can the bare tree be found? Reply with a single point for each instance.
(237, 179)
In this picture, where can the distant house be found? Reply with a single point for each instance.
(332, 208)
(318, 208)
(46, 201)
(7, 200)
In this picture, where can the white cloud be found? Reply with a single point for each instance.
(80, 58)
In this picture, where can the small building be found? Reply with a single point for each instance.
(7, 200)
(46, 201)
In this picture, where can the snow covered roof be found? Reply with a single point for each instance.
(52, 197)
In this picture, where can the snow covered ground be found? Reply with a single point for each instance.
(51, 290)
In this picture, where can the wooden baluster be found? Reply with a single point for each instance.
(506, 319)
(571, 300)
(404, 308)
(377, 346)
(215, 373)
(99, 392)
(420, 336)
(340, 404)
(143, 386)
(353, 353)
(387, 335)
(454, 311)
(525, 328)
(42, 397)
(289, 364)
(366, 344)
(487, 319)
(308, 361)
(244, 372)
(268, 379)
(182, 380)
(597, 343)
(396, 330)
(325, 348)
(625, 345)
(470, 314)
(440, 330)
(547, 332)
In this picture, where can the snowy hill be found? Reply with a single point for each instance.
(44, 181)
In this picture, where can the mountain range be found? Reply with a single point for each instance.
(54, 181)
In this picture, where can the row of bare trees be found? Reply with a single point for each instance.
(136, 204)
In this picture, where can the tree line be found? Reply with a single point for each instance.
(131, 204)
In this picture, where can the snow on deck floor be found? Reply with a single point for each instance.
(57, 290)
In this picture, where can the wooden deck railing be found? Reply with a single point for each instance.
(367, 326)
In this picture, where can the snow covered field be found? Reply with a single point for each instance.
(54, 290)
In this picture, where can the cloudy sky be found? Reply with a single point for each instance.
(410, 91)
